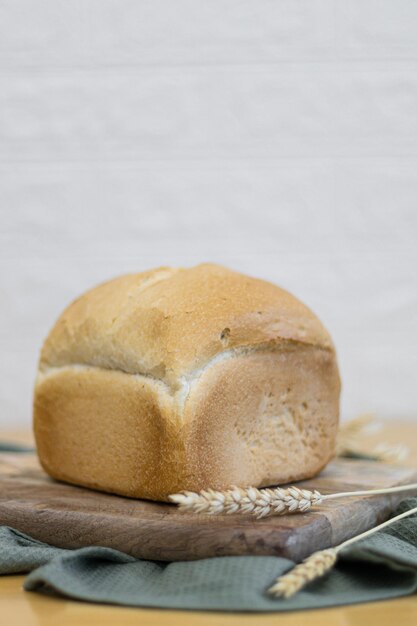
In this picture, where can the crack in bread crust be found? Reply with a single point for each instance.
(182, 385)
(169, 323)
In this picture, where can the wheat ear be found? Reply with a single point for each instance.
(265, 502)
(388, 453)
(319, 563)
(350, 431)
(348, 441)
(259, 502)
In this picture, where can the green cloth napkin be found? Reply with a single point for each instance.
(11, 446)
(379, 567)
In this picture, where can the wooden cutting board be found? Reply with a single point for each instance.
(72, 517)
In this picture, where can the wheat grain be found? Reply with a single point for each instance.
(350, 432)
(265, 502)
(349, 441)
(390, 453)
(258, 502)
(319, 563)
(314, 566)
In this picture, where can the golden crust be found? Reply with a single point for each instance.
(262, 418)
(186, 379)
(168, 322)
(107, 430)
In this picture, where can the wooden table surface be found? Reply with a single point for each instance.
(18, 608)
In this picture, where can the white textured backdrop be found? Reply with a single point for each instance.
(276, 137)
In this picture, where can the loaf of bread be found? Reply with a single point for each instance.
(177, 379)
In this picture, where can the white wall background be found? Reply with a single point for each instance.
(276, 137)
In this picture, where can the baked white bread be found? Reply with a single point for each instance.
(178, 379)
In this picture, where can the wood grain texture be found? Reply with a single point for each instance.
(72, 517)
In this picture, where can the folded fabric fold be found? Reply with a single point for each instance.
(380, 567)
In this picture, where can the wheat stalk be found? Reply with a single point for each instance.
(258, 502)
(265, 502)
(350, 432)
(349, 436)
(314, 566)
(319, 563)
(390, 453)
(355, 427)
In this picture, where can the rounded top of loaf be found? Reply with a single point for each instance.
(169, 323)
